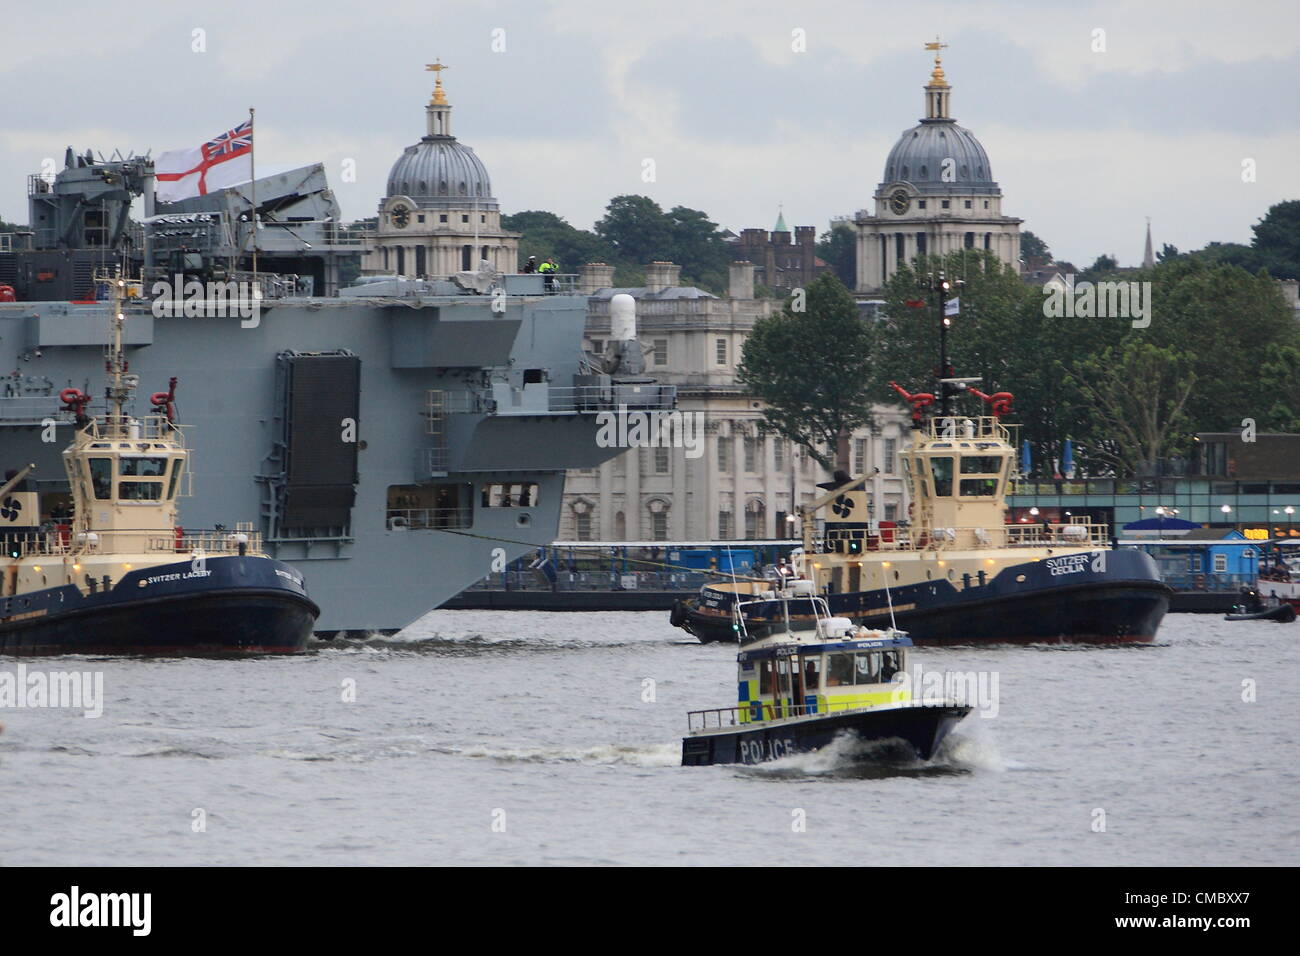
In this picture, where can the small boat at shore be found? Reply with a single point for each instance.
(800, 690)
(1281, 613)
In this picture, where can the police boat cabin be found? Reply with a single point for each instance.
(800, 690)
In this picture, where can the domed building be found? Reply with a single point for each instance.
(438, 215)
(937, 195)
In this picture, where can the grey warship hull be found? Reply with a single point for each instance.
(392, 449)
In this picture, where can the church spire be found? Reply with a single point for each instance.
(438, 112)
(937, 91)
(780, 219)
(1148, 258)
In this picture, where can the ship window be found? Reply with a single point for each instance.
(518, 495)
(941, 472)
(139, 490)
(812, 674)
(766, 673)
(101, 477)
(979, 487)
(425, 507)
(866, 668)
(981, 465)
(839, 670)
(892, 664)
(176, 474)
(142, 467)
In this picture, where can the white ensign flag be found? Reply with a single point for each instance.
(218, 163)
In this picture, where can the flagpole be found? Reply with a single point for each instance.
(252, 163)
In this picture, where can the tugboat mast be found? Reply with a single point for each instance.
(119, 386)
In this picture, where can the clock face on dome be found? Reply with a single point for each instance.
(899, 202)
(401, 216)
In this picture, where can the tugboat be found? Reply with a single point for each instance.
(959, 571)
(800, 690)
(118, 575)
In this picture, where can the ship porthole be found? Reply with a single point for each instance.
(523, 521)
(1020, 579)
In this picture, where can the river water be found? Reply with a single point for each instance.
(546, 738)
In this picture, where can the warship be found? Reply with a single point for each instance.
(395, 439)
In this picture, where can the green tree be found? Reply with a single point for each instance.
(838, 248)
(1031, 246)
(1277, 239)
(1226, 319)
(809, 368)
(637, 229)
(544, 234)
(1137, 393)
(1279, 375)
(697, 245)
(1103, 266)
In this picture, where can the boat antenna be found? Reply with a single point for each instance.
(893, 624)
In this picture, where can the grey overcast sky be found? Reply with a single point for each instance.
(578, 93)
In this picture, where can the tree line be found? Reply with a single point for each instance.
(1222, 345)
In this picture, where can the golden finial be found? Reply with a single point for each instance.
(439, 95)
(937, 77)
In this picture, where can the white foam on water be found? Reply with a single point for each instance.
(656, 755)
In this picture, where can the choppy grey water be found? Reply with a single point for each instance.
(524, 738)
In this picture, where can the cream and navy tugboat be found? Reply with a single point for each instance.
(961, 571)
(799, 690)
(118, 574)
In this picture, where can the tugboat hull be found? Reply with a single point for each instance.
(1024, 603)
(242, 605)
(921, 727)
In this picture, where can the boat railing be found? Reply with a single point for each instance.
(155, 427)
(65, 541)
(719, 717)
(31, 410)
(429, 519)
(855, 541)
(579, 398)
(965, 426)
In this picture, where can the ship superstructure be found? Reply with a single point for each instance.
(394, 442)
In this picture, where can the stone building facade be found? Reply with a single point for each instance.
(937, 195)
(747, 480)
(781, 261)
(438, 215)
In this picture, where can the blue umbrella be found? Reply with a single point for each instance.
(1067, 459)
(1026, 460)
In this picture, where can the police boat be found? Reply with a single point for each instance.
(799, 690)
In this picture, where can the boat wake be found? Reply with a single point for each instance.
(657, 755)
(971, 749)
